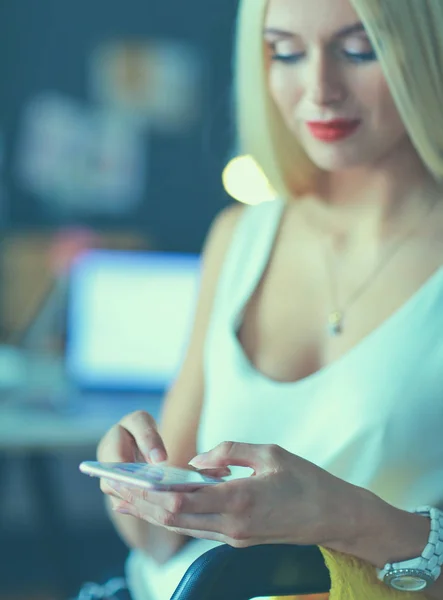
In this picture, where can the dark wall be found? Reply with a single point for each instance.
(45, 44)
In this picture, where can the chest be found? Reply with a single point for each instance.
(284, 326)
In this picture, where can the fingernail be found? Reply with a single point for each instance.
(216, 472)
(157, 456)
(121, 509)
(115, 485)
(197, 460)
(145, 450)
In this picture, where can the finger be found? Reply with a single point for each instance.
(118, 445)
(145, 513)
(107, 488)
(125, 508)
(200, 527)
(209, 523)
(203, 535)
(207, 500)
(217, 472)
(143, 428)
(166, 518)
(255, 456)
(219, 537)
(115, 503)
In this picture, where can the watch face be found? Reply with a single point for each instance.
(408, 580)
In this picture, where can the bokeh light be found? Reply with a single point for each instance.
(245, 181)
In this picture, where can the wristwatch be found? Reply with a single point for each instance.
(416, 574)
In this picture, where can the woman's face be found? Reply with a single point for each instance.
(328, 85)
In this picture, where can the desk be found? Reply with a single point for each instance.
(77, 423)
(37, 433)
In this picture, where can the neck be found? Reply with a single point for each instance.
(375, 201)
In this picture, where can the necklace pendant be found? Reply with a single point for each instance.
(335, 323)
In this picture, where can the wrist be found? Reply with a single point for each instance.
(379, 533)
(406, 538)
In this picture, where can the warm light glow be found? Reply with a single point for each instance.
(245, 181)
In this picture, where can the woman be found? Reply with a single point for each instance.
(318, 341)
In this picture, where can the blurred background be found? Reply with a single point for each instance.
(115, 129)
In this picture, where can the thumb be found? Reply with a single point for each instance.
(232, 454)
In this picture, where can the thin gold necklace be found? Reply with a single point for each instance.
(336, 317)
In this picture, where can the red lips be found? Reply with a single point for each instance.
(333, 131)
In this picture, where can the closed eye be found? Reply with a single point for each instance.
(353, 57)
(287, 58)
(360, 57)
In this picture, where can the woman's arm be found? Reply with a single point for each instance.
(182, 406)
(385, 534)
(289, 501)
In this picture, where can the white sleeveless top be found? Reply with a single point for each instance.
(374, 417)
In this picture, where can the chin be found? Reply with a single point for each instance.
(336, 164)
(336, 160)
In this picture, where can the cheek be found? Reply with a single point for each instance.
(284, 90)
(380, 106)
(391, 116)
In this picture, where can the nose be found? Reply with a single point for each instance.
(323, 85)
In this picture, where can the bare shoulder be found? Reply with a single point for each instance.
(223, 225)
(216, 245)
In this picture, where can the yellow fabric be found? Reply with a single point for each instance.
(353, 579)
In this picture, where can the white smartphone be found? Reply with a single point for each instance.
(153, 477)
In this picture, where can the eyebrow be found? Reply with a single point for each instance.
(356, 28)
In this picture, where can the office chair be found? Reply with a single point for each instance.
(226, 573)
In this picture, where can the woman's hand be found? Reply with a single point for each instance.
(288, 500)
(133, 439)
(136, 439)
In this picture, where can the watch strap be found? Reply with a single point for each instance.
(431, 559)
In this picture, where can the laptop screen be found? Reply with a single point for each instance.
(129, 318)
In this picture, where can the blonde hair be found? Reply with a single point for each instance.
(408, 38)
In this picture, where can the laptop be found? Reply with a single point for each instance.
(129, 319)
